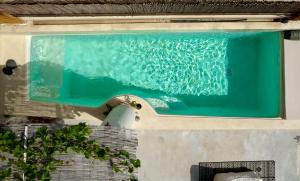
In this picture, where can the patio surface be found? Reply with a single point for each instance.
(170, 147)
(174, 155)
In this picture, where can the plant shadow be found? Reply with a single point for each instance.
(15, 101)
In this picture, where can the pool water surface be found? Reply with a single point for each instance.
(235, 74)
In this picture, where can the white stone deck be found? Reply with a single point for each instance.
(175, 154)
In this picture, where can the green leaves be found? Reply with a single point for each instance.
(5, 172)
(116, 169)
(2, 158)
(135, 163)
(125, 162)
(45, 144)
(124, 153)
(42, 132)
(18, 151)
(8, 141)
(100, 152)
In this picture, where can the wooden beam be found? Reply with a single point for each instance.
(6, 18)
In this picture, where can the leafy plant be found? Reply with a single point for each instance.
(45, 144)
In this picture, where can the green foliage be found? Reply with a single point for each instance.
(42, 147)
(5, 172)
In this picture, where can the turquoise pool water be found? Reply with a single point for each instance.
(205, 74)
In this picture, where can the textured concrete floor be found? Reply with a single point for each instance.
(174, 155)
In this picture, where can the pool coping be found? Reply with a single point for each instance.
(29, 28)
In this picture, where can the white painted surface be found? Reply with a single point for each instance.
(122, 116)
(292, 78)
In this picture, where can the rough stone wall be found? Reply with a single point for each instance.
(145, 7)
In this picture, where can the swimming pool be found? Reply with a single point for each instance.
(236, 74)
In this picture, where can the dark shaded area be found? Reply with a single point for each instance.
(207, 173)
(208, 170)
(145, 7)
(7, 71)
(194, 171)
(10, 65)
(14, 100)
(292, 35)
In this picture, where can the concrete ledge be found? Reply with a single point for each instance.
(204, 26)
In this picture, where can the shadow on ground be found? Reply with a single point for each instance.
(14, 100)
(194, 170)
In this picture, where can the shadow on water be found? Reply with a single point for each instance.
(97, 94)
(69, 87)
(55, 84)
